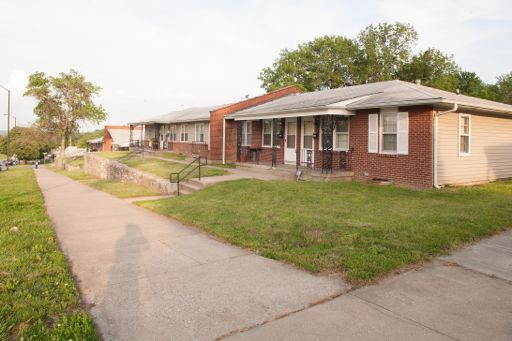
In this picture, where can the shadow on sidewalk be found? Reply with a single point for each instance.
(122, 295)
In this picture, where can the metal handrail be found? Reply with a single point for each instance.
(178, 175)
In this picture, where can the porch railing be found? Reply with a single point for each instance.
(340, 160)
(178, 177)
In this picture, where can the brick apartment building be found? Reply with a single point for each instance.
(397, 131)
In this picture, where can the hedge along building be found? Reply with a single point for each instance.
(398, 131)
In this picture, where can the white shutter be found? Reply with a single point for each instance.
(403, 133)
(373, 133)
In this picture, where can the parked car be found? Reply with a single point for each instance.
(3, 165)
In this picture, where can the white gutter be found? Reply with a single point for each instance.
(224, 141)
(436, 140)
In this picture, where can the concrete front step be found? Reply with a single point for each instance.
(191, 185)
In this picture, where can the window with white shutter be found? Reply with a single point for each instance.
(373, 133)
(403, 133)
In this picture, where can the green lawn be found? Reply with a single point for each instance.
(38, 298)
(169, 155)
(359, 230)
(3, 157)
(119, 189)
(157, 167)
(75, 161)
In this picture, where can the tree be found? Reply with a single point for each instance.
(81, 141)
(384, 49)
(433, 68)
(470, 84)
(29, 143)
(504, 88)
(63, 103)
(326, 62)
(333, 61)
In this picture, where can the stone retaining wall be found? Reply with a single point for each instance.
(113, 170)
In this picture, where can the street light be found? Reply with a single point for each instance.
(8, 119)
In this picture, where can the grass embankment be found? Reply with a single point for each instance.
(357, 229)
(75, 161)
(157, 167)
(3, 157)
(119, 189)
(169, 155)
(38, 298)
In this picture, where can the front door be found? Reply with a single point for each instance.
(290, 143)
(307, 155)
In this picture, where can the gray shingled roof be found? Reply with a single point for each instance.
(193, 114)
(372, 95)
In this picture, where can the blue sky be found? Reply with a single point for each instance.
(152, 57)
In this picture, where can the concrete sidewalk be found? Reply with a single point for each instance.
(146, 277)
(466, 296)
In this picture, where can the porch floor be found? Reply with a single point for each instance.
(289, 171)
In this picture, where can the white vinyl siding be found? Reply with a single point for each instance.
(373, 133)
(490, 147)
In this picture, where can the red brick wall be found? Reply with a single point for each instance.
(256, 141)
(217, 116)
(107, 140)
(188, 148)
(414, 169)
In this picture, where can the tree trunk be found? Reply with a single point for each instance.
(60, 158)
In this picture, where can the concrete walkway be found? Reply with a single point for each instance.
(146, 277)
(466, 296)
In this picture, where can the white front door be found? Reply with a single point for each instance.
(290, 143)
(307, 155)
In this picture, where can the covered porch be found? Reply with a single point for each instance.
(311, 141)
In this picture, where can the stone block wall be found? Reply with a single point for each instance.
(113, 170)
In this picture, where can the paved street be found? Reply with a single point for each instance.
(146, 277)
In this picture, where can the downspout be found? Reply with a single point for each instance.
(223, 141)
(436, 140)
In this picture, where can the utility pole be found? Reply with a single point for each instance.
(8, 119)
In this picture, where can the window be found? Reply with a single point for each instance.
(173, 132)
(394, 132)
(389, 132)
(267, 133)
(341, 134)
(309, 129)
(200, 132)
(184, 133)
(464, 135)
(247, 133)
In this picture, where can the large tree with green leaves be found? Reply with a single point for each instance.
(433, 68)
(504, 88)
(329, 62)
(384, 49)
(325, 62)
(63, 103)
